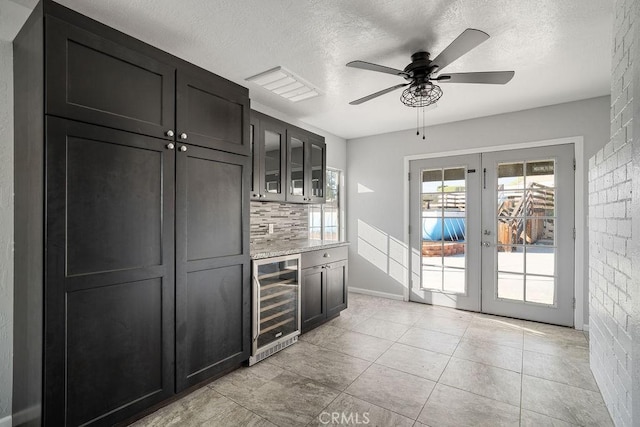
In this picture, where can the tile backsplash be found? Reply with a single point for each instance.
(290, 222)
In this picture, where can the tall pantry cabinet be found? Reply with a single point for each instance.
(132, 175)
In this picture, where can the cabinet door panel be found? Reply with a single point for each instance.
(214, 317)
(212, 263)
(313, 297)
(336, 287)
(212, 114)
(114, 201)
(109, 331)
(95, 80)
(114, 347)
(214, 214)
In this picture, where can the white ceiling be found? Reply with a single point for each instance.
(559, 49)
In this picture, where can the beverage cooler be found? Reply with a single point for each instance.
(276, 305)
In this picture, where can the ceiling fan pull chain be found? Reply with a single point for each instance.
(423, 124)
(417, 122)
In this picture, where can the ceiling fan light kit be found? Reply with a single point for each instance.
(421, 73)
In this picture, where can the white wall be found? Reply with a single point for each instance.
(6, 227)
(613, 224)
(336, 146)
(376, 173)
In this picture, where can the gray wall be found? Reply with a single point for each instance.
(376, 168)
(6, 227)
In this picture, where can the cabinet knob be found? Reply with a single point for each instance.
(169, 133)
(326, 255)
(170, 146)
(254, 195)
(183, 136)
(183, 148)
(263, 195)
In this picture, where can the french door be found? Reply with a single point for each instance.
(494, 233)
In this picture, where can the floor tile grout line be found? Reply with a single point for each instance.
(237, 403)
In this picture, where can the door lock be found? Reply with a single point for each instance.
(486, 244)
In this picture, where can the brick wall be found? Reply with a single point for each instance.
(611, 281)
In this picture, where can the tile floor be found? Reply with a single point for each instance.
(390, 363)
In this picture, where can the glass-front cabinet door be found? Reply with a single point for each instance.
(269, 158)
(317, 170)
(297, 183)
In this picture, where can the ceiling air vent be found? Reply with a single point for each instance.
(286, 84)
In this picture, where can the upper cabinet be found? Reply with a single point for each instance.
(134, 87)
(96, 80)
(269, 149)
(211, 114)
(289, 163)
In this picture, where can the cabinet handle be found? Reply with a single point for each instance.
(183, 136)
(328, 266)
(183, 148)
(170, 146)
(169, 133)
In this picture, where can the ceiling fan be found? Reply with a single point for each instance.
(420, 72)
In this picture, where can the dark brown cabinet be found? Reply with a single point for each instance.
(289, 163)
(211, 114)
(324, 285)
(132, 240)
(109, 294)
(93, 79)
(212, 301)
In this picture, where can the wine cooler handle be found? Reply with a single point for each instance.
(256, 324)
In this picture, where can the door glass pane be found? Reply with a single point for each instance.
(272, 163)
(541, 174)
(443, 229)
(511, 176)
(541, 260)
(317, 173)
(540, 231)
(540, 289)
(432, 277)
(454, 280)
(511, 259)
(511, 286)
(296, 179)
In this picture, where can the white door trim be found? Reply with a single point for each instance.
(579, 211)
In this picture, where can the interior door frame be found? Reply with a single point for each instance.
(579, 209)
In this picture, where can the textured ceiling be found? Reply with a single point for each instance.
(559, 49)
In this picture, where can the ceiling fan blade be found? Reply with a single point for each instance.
(485, 77)
(466, 41)
(375, 67)
(377, 94)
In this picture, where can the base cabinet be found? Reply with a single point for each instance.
(324, 286)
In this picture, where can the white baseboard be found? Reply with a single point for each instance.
(376, 293)
(6, 421)
(585, 327)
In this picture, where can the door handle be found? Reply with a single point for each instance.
(486, 244)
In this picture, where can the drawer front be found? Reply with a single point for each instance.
(324, 256)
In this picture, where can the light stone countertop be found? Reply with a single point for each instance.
(275, 249)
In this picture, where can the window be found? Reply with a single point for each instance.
(325, 221)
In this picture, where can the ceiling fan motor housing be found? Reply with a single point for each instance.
(420, 68)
